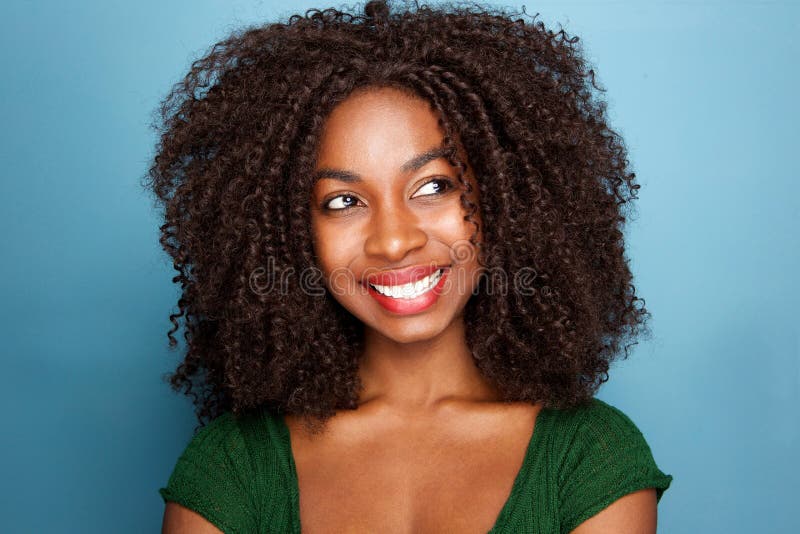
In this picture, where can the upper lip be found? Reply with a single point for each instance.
(403, 276)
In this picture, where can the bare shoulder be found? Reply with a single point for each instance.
(181, 520)
(634, 513)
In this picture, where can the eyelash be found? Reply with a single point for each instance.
(449, 185)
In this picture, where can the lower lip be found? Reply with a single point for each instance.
(409, 306)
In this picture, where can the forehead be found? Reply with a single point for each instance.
(377, 128)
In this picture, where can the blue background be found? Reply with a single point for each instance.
(704, 94)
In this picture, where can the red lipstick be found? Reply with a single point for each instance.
(406, 306)
(403, 276)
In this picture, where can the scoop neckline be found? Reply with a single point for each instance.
(502, 517)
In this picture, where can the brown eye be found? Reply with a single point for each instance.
(340, 203)
(437, 186)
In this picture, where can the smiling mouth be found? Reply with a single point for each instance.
(411, 290)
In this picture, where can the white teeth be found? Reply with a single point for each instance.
(412, 289)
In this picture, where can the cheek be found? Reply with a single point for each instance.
(333, 245)
(450, 223)
(452, 228)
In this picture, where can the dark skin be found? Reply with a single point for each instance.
(412, 364)
(425, 413)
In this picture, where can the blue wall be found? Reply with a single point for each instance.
(705, 95)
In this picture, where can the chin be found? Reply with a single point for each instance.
(408, 333)
(414, 328)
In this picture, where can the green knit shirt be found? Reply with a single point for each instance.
(239, 473)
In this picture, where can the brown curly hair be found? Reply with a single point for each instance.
(231, 172)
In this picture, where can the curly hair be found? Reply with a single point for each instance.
(232, 173)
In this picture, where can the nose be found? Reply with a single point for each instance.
(394, 232)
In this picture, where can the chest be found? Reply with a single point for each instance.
(418, 483)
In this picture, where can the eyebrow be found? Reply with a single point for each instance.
(414, 164)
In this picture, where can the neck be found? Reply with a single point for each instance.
(421, 376)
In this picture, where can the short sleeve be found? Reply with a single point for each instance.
(212, 477)
(607, 458)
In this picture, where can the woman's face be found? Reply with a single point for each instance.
(385, 200)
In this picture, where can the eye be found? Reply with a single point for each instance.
(437, 186)
(340, 203)
(346, 201)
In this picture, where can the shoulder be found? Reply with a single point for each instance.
(222, 432)
(236, 440)
(601, 456)
(216, 474)
(597, 420)
(219, 445)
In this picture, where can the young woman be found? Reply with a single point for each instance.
(399, 240)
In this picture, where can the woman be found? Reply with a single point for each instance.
(399, 241)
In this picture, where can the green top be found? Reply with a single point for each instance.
(240, 473)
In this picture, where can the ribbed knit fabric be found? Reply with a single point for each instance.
(240, 474)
